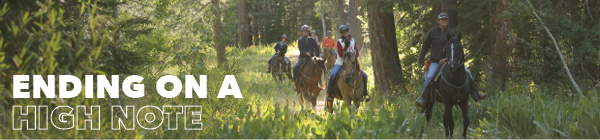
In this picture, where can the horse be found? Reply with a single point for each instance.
(453, 89)
(279, 67)
(349, 83)
(330, 55)
(308, 85)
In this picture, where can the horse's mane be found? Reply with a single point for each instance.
(347, 54)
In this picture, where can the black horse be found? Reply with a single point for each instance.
(450, 86)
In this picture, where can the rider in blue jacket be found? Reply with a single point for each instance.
(280, 49)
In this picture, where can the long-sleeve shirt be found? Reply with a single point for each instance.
(328, 42)
(281, 47)
(307, 44)
(435, 39)
(342, 49)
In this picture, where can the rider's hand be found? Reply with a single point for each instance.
(421, 64)
(308, 53)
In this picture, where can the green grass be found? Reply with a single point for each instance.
(268, 110)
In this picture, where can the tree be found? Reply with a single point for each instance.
(355, 23)
(384, 48)
(219, 46)
(342, 13)
(243, 28)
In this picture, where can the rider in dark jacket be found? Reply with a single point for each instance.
(436, 39)
(280, 49)
(308, 47)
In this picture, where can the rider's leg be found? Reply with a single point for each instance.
(269, 68)
(332, 80)
(430, 74)
(295, 72)
(296, 67)
(475, 93)
(365, 79)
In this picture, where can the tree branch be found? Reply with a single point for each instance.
(557, 49)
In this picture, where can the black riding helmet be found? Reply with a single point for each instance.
(344, 28)
(329, 33)
(304, 28)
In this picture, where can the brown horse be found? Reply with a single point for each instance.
(349, 83)
(308, 85)
(450, 87)
(279, 68)
(330, 55)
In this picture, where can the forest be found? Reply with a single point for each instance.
(538, 59)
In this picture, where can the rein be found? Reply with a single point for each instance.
(354, 88)
(453, 86)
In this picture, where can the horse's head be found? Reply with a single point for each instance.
(349, 65)
(320, 62)
(454, 52)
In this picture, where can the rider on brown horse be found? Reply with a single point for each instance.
(280, 49)
(344, 44)
(436, 39)
(307, 47)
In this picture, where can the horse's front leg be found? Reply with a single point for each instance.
(448, 122)
(464, 107)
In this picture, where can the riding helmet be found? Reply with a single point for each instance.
(313, 32)
(329, 33)
(284, 36)
(344, 28)
(305, 28)
(442, 15)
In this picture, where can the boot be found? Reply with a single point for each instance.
(477, 96)
(329, 97)
(367, 98)
(474, 93)
(420, 101)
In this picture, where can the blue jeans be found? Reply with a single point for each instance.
(431, 73)
(296, 67)
(333, 78)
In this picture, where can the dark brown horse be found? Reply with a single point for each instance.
(349, 87)
(279, 68)
(310, 74)
(450, 87)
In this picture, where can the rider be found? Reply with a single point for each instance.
(345, 44)
(307, 46)
(328, 41)
(280, 49)
(315, 37)
(436, 39)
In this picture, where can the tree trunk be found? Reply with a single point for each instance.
(342, 13)
(116, 16)
(323, 19)
(355, 23)
(243, 30)
(218, 38)
(386, 63)
(503, 47)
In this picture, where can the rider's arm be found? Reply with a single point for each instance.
(425, 47)
(356, 50)
(340, 51)
(303, 49)
(283, 49)
(276, 47)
